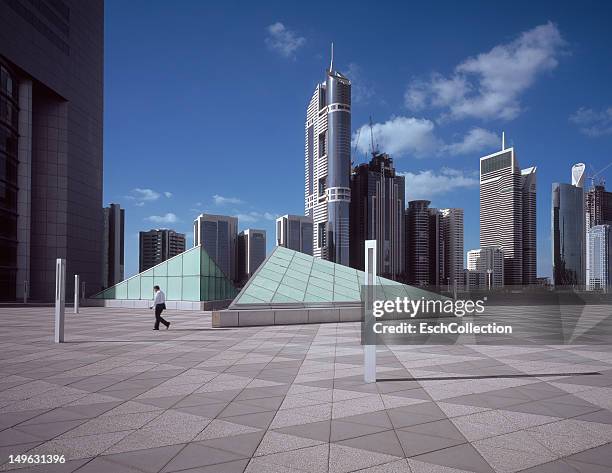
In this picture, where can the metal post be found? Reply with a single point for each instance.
(25, 291)
(455, 288)
(83, 290)
(369, 351)
(60, 295)
(76, 293)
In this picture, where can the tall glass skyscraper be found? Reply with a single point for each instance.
(599, 264)
(218, 235)
(328, 166)
(568, 235)
(508, 214)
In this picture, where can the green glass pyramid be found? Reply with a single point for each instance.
(191, 276)
(289, 277)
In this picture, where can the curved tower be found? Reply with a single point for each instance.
(328, 166)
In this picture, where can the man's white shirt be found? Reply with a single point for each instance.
(160, 298)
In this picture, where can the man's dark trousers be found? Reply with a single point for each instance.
(158, 318)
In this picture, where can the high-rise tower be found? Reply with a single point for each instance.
(508, 213)
(328, 166)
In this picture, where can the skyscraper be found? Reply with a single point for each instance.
(424, 244)
(328, 166)
(599, 263)
(294, 232)
(568, 232)
(251, 252)
(51, 96)
(156, 246)
(218, 234)
(377, 213)
(598, 203)
(113, 252)
(452, 234)
(508, 213)
(489, 262)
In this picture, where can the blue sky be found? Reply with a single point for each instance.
(205, 101)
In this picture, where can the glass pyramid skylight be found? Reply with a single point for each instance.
(289, 278)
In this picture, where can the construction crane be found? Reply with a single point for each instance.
(592, 177)
(356, 145)
(373, 146)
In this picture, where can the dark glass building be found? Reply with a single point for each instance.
(113, 248)
(156, 246)
(377, 213)
(51, 98)
(424, 244)
(568, 235)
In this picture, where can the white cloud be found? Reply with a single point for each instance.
(362, 91)
(167, 218)
(490, 84)
(282, 40)
(220, 200)
(168, 194)
(592, 122)
(427, 184)
(141, 195)
(400, 136)
(477, 139)
(255, 216)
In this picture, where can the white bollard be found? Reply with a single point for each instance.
(369, 351)
(60, 296)
(76, 293)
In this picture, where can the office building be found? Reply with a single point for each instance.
(599, 265)
(508, 213)
(489, 262)
(251, 247)
(328, 166)
(377, 213)
(598, 204)
(568, 233)
(218, 234)
(156, 246)
(452, 235)
(113, 250)
(424, 244)
(294, 232)
(51, 97)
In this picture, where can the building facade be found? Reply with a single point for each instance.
(599, 264)
(218, 235)
(328, 166)
(377, 213)
(568, 235)
(251, 247)
(113, 245)
(598, 204)
(156, 246)
(452, 234)
(508, 214)
(51, 99)
(489, 262)
(424, 244)
(294, 232)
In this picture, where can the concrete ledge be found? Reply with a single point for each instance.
(170, 305)
(249, 318)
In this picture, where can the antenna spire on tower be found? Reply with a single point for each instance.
(503, 140)
(331, 63)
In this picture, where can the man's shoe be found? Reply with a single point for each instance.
(155, 329)
(168, 326)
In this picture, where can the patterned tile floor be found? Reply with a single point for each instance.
(121, 398)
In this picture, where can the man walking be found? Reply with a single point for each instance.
(159, 304)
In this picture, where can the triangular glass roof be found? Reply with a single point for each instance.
(290, 278)
(190, 276)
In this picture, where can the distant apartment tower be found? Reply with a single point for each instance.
(113, 249)
(156, 246)
(218, 235)
(328, 166)
(568, 232)
(377, 213)
(489, 263)
(251, 247)
(508, 214)
(424, 244)
(598, 206)
(599, 264)
(452, 234)
(294, 232)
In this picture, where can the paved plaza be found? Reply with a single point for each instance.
(118, 397)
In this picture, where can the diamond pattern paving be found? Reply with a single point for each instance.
(118, 397)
